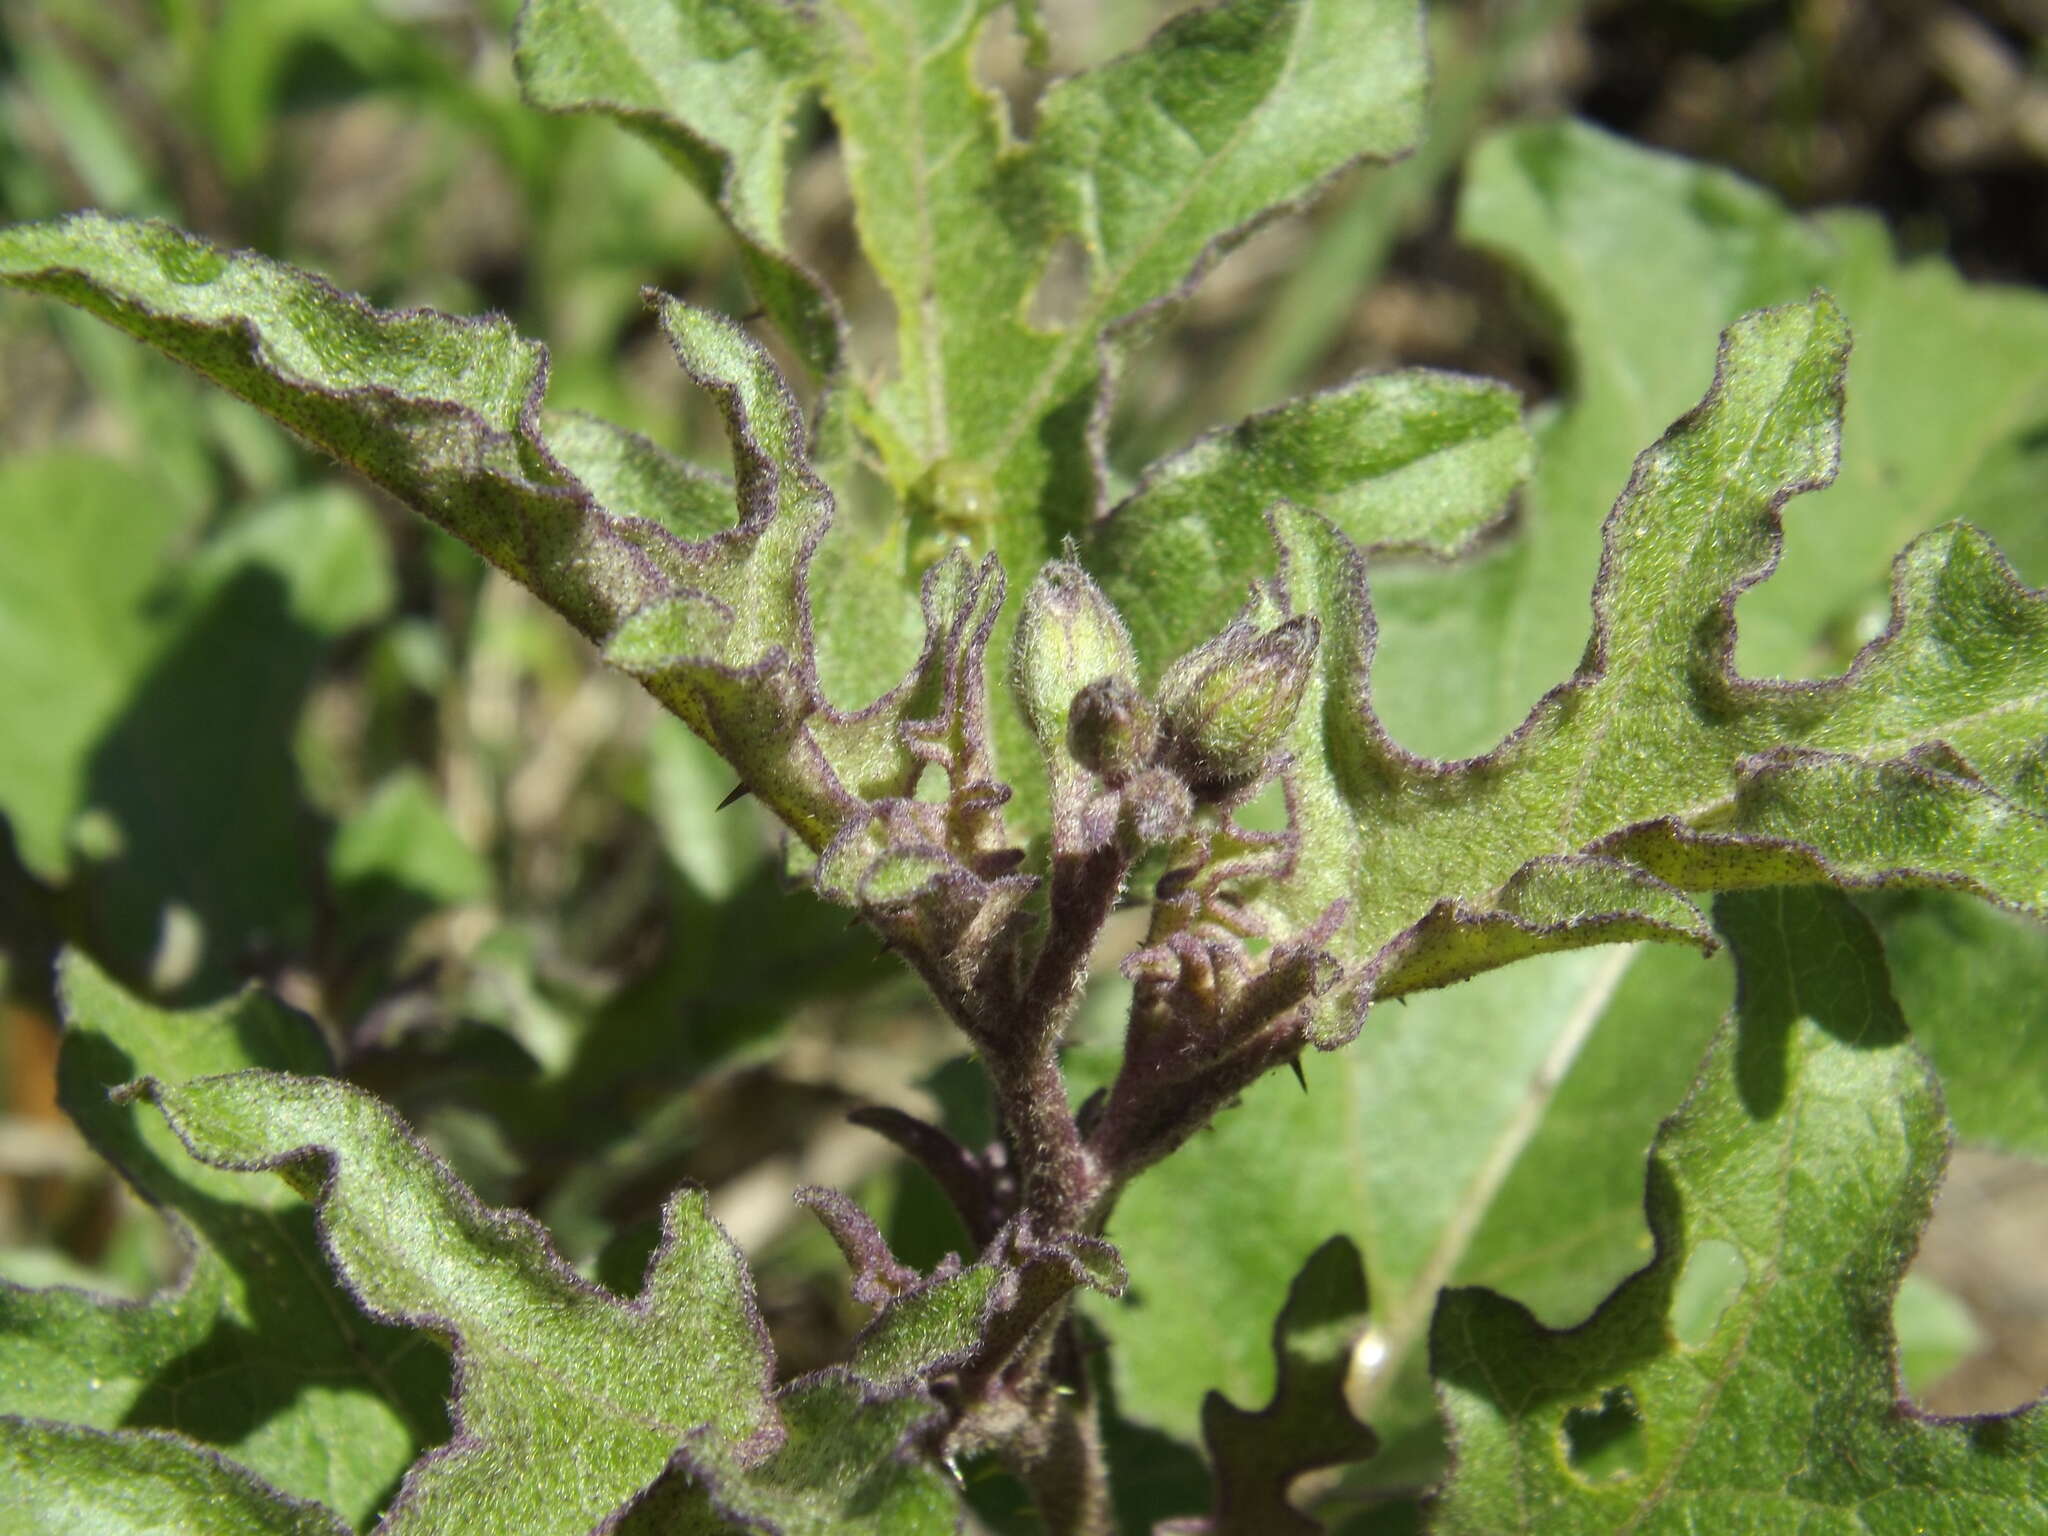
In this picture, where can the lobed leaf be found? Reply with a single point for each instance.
(442, 413)
(445, 414)
(846, 1467)
(568, 1398)
(1748, 1378)
(734, 653)
(717, 88)
(1638, 257)
(1411, 461)
(87, 1482)
(1308, 1426)
(1655, 752)
(227, 1356)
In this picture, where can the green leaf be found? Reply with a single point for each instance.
(623, 469)
(1640, 257)
(1413, 461)
(445, 414)
(733, 652)
(1945, 421)
(400, 857)
(75, 631)
(1308, 1425)
(440, 412)
(226, 1357)
(569, 1398)
(1490, 1132)
(717, 89)
(1151, 165)
(87, 1482)
(1789, 1193)
(846, 1468)
(1972, 980)
(686, 780)
(1655, 767)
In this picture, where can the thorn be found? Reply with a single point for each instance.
(1300, 1076)
(853, 922)
(953, 1470)
(739, 793)
(883, 952)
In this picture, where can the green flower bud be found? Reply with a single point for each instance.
(1067, 637)
(1227, 705)
(1112, 730)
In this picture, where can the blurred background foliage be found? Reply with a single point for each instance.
(260, 724)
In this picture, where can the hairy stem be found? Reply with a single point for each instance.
(1067, 1472)
(1056, 1175)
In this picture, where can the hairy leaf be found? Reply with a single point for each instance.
(1747, 1378)
(1642, 256)
(1946, 421)
(568, 1398)
(733, 653)
(1145, 167)
(227, 1357)
(442, 413)
(1403, 461)
(716, 88)
(847, 1467)
(86, 1482)
(445, 414)
(1656, 754)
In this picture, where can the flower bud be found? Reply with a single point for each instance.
(1112, 730)
(1226, 705)
(1067, 637)
(1155, 809)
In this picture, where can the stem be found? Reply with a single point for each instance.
(1056, 1174)
(1084, 892)
(1067, 1473)
(1063, 1463)
(1053, 1166)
